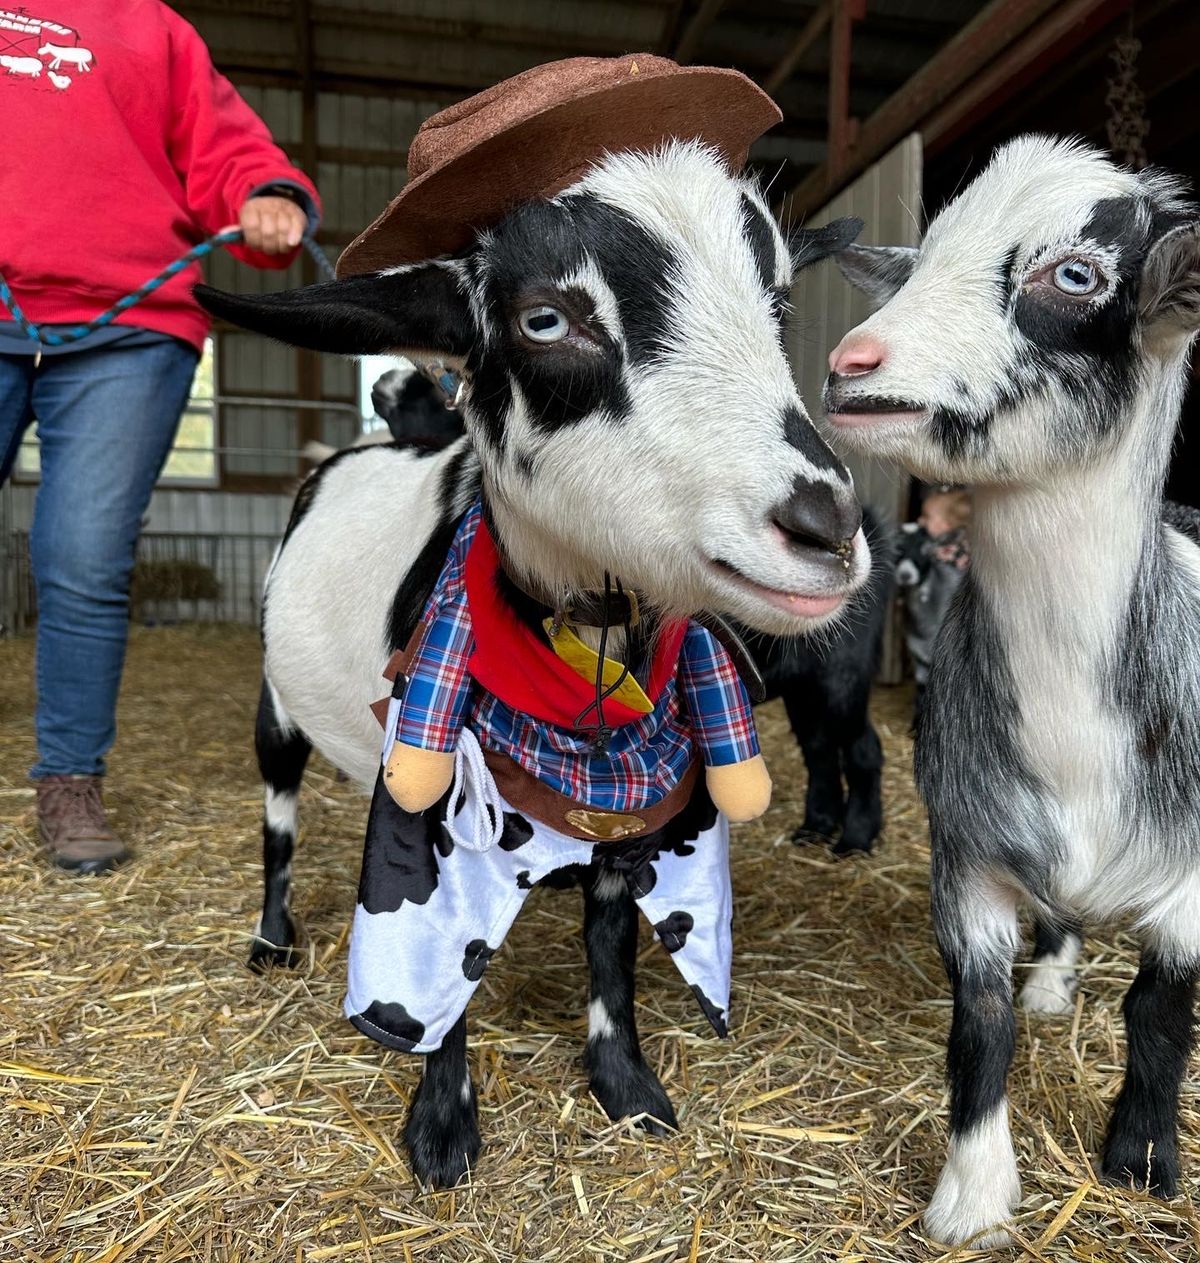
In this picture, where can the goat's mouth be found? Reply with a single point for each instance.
(848, 412)
(794, 604)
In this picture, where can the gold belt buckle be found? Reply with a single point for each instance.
(606, 826)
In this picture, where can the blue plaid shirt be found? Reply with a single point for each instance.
(704, 708)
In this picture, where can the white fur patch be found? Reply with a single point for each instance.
(279, 807)
(609, 884)
(600, 1024)
(979, 1186)
(330, 591)
(1050, 984)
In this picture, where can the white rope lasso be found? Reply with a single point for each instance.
(473, 783)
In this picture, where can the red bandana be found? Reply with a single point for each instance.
(516, 665)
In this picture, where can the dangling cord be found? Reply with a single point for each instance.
(603, 732)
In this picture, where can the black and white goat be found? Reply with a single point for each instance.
(607, 339)
(1036, 346)
(824, 681)
(927, 586)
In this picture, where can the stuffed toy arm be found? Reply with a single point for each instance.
(741, 790)
(419, 766)
(723, 727)
(416, 778)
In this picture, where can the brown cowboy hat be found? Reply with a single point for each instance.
(537, 133)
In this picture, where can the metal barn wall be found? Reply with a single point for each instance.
(357, 157)
(888, 198)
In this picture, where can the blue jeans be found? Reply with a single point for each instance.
(106, 420)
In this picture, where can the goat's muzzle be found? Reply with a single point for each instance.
(821, 519)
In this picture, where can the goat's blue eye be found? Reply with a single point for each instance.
(1077, 277)
(543, 324)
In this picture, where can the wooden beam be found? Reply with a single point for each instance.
(961, 59)
(808, 36)
(845, 13)
(270, 72)
(1021, 65)
(929, 29)
(465, 31)
(700, 21)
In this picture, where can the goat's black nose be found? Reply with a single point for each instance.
(818, 516)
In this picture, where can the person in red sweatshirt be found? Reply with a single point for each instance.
(123, 147)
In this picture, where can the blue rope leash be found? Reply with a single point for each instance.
(61, 337)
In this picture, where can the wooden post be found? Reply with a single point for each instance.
(841, 37)
(960, 60)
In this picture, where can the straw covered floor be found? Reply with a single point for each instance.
(159, 1102)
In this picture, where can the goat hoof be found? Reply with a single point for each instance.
(848, 845)
(805, 836)
(264, 956)
(442, 1136)
(1151, 1166)
(632, 1090)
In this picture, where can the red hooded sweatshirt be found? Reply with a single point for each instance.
(122, 148)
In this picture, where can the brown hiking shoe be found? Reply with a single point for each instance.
(72, 824)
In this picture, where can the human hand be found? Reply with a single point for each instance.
(273, 225)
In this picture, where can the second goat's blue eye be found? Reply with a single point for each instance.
(1076, 277)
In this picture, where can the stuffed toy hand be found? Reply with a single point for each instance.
(417, 778)
(741, 790)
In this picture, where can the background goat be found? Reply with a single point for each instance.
(607, 338)
(1036, 346)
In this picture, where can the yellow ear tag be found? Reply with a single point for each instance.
(582, 660)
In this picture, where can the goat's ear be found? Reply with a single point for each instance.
(1170, 288)
(810, 245)
(879, 271)
(412, 310)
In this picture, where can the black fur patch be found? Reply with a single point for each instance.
(982, 1037)
(802, 435)
(674, 929)
(459, 476)
(955, 431)
(761, 237)
(714, 1013)
(639, 269)
(1142, 1146)
(1004, 276)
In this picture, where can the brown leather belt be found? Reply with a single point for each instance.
(532, 797)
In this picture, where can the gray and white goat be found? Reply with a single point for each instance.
(1036, 346)
(629, 409)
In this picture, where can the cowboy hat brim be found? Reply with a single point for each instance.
(440, 211)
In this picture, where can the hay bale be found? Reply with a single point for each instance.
(159, 1102)
(173, 579)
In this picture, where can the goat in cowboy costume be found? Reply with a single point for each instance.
(513, 748)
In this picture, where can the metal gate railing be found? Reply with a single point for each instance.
(179, 576)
